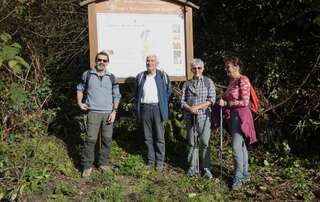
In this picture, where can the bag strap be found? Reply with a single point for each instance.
(113, 79)
(206, 82)
(239, 85)
(140, 76)
(88, 75)
(165, 78)
(252, 94)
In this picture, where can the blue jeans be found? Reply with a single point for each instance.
(203, 131)
(239, 148)
(153, 129)
(95, 121)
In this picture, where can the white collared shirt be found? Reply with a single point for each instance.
(150, 91)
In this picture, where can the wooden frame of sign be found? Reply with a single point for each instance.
(141, 7)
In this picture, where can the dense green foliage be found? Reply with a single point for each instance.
(44, 49)
(278, 42)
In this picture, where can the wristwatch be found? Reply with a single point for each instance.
(115, 109)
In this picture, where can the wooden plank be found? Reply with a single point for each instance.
(93, 43)
(86, 2)
(184, 2)
(137, 6)
(189, 40)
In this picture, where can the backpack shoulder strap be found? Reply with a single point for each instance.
(206, 82)
(188, 83)
(113, 79)
(241, 79)
(140, 76)
(165, 78)
(88, 75)
(254, 100)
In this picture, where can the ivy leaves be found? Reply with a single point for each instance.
(9, 55)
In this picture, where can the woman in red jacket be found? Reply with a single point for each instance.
(236, 100)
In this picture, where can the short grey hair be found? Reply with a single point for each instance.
(197, 62)
(152, 55)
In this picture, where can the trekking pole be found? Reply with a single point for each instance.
(196, 149)
(221, 139)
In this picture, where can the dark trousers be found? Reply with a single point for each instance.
(95, 121)
(153, 129)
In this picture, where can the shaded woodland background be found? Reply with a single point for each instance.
(278, 42)
(44, 49)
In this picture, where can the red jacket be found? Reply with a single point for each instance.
(245, 115)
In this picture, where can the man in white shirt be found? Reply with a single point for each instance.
(153, 89)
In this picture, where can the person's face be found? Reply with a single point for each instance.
(101, 62)
(197, 71)
(231, 69)
(151, 63)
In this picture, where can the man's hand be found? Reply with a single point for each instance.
(83, 106)
(191, 109)
(194, 109)
(111, 117)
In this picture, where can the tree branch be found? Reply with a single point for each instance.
(315, 66)
(7, 16)
(19, 77)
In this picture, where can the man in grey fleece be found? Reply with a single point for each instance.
(101, 103)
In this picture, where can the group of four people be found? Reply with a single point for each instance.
(152, 91)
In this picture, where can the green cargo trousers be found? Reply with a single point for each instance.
(95, 121)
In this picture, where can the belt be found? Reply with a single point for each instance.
(150, 104)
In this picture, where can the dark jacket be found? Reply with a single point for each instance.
(164, 91)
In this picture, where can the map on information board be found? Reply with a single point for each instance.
(130, 37)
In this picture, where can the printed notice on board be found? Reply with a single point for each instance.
(129, 38)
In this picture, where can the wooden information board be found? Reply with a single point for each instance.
(129, 30)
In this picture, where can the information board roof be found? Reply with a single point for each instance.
(184, 2)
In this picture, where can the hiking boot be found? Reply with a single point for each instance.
(86, 172)
(246, 178)
(160, 168)
(207, 173)
(104, 168)
(191, 172)
(236, 184)
(150, 165)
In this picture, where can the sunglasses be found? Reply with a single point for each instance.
(102, 60)
(196, 68)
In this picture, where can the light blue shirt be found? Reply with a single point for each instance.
(101, 92)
